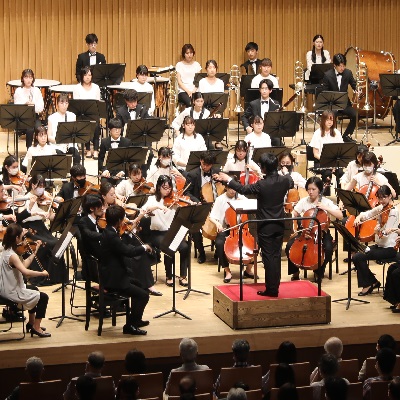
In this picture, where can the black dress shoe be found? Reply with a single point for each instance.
(266, 293)
(369, 291)
(396, 310)
(141, 323)
(227, 280)
(40, 334)
(29, 327)
(154, 293)
(247, 275)
(131, 330)
(184, 284)
(169, 284)
(201, 259)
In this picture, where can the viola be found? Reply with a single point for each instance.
(142, 187)
(304, 250)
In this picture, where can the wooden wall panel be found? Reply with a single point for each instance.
(47, 35)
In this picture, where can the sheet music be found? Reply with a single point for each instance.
(244, 206)
(64, 245)
(178, 238)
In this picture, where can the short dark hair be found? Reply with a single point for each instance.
(134, 168)
(114, 214)
(114, 123)
(105, 187)
(336, 388)
(386, 359)
(269, 163)
(96, 359)
(135, 362)
(251, 45)
(37, 180)
(208, 62)
(142, 70)
(196, 96)
(207, 157)
(268, 82)
(91, 201)
(84, 71)
(187, 47)
(387, 341)
(339, 58)
(383, 191)
(130, 95)
(328, 365)
(317, 181)
(287, 353)
(370, 158)
(86, 387)
(127, 388)
(62, 97)
(91, 38)
(241, 349)
(77, 170)
(266, 62)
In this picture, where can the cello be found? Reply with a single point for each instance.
(304, 250)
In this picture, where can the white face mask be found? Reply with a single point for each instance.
(38, 192)
(13, 171)
(165, 162)
(368, 170)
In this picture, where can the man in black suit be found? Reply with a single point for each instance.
(253, 63)
(90, 57)
(338, 80)
(396, 115)
(195, 180)
(132, 109)
(115, 140)
(260, 107)
(115, 273)
(271, 192)
(70, 190)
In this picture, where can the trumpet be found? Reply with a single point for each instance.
(361, 83)
(234, 85)
(299, 87)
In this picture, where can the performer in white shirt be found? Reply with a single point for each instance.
(211, 84)
(141, 85)
(265, 73)
(41, 146)
(237, 160)
(317, 55)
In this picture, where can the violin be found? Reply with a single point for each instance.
(304, 250)
(89, 188)
(177, 199)
(26, 247)
(8, 202)
(142, 187)
(20, 179)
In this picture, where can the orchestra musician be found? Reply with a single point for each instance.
(315, 199)
(9, 172)
(12, 285)
(70, 190)
(211, 84)
(257, 138)
(252, 64)
(186, 142)
(338, 80)
(354, 166)
(141, 85)
(318, 55)
(265, 73)
(387, 216)
(217, 216)
(196, 111)
(88, 90)
(90, 57)
(107, 191)
(116, 276)
(186, 70)
(396, 115)
(392, 286)
(32, 96)
(286, 165)
(41, 146)
(114, 141)
(260, 107)
(237, 160)
(271, 192)
(369, 174)
(62, 115)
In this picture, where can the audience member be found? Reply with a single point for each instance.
(332, 346)
(135, 362)
(236, 394)
(284, 374)
(127, 389)
(288, 391)
(394, 389)
(336, 388)
(85, 387)
(187, 385)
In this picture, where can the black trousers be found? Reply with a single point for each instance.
(183, 249)
(365, 277)
(30, 131)
(76, 157)
(41, 306)
(352, 114)
(392, 286)
(184, 98)
(197, 238)
(139, 299)
(270, 240)
(96, 139)
(396, 115)
(220, 248)
(327, 244)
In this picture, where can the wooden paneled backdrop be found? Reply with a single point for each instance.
(47, 35)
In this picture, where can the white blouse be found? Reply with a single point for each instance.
(187, 73)
(207, 87)
(178, 121)
(318, 141)
(184, 145)
(33, 94)
(34, 151)
(161, 221)
(255, 83)
(81, 93)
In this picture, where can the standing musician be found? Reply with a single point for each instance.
(387, 216)
(260, 107)
(369, 174)
(252, 64)
(196, 110)
(195, 180)
(338, 80)
(115, 274)
(90, 57)
(396, 114)
(217, 216)
(237, 160)
(271, 192)
(392, 286)
(211, 84)
(186, 70)
(12, 177)
(70, 190)
(315, 199)
(354, 166)
(41, 146)
(265, 73)
(286, 163)
(186, 142)
(62, 115)
(114, 141)
(318, 55)
(141, 85)
(12, 285)
(32, 96)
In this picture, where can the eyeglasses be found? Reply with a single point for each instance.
(166, 187)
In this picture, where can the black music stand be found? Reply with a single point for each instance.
(355, 245)
(276, 151)
(51, 167)
(119, 159)
(318, 71)
(281, 124)
(212, 129)
(212, 100)
(390, 84)
(16, 117)
(332, 101)
(194, 159)
(245, 84)
(169, 245)
(77, 132)
(224, 76)
(145, 130)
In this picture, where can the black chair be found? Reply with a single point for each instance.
(11, 304)
(99, 298)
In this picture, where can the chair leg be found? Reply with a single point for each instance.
(101, 313)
